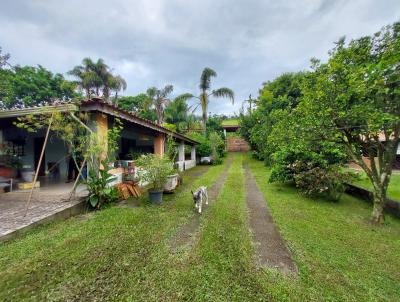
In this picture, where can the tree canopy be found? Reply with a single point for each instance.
(31, 86)
(345, 109)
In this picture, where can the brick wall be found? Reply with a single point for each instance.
(237, 144)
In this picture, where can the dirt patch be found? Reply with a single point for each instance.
(186, 232)
(270, 247)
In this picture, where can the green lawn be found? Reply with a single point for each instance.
(123, 253)
(230, 122)
(394, 185)
(340, 255)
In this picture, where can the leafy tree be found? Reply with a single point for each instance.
(283, 93)
(204, 148)
(176, 112)
(139, 104)
(354, 101)
(31, 86)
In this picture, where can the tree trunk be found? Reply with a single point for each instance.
(377, 212)
(204, 118)
(379, 193)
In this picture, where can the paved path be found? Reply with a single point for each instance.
(270, 248)
(45, 204)
(186, 232)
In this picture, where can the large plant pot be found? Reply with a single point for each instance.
(27, 176)
(155, 196)
(8, 172)
(172, 183)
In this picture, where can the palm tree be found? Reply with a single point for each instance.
(116, 84)
(160, 100)
(205, 93)
(96, 76)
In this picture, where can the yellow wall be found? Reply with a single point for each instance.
(159, 144)
(102, 130)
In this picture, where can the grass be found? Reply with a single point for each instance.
(123, 253)
(341, 256)
(393, 189)
(230, 122)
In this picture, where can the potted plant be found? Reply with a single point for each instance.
(154, 171)
(9, 165)
(27, 173)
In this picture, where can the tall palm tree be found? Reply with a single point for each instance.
(116, 84)
(160, 100)
(93, 77)
(205, 94)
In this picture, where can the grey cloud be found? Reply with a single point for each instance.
(160, 42)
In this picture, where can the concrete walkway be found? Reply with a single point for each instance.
(47, 204)
(270, 247)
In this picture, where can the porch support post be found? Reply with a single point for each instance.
(39, 164)
(102, 133)
(181, 151)
(159, 144)
(193, 153)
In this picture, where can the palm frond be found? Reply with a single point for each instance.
(184, 97)
(152, 92)
(166, 90)
(224, 93)
(205, 79)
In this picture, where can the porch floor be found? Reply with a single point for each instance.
(46, 202)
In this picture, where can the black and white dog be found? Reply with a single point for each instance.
(198, 196)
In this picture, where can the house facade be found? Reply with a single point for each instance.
(138, 136)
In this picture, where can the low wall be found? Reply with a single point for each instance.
(236, 144)
(391, 206)
(186, 165)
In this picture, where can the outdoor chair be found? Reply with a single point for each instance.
(6, 183)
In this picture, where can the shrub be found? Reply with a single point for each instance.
(204, 147)
(156, 170)
(98, 185)
(316, 180)
(217, 147)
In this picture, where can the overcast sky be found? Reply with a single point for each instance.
(158, 42)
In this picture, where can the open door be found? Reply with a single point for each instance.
(37, 149)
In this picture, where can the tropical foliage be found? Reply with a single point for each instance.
(96, 79)
(154, 169)
(140, 104)
(31, 86)
(307, 124)
(206, 93)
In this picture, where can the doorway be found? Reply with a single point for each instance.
(37, 149)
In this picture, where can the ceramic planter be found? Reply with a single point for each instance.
(172, 183)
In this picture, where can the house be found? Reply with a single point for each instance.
(138, 135)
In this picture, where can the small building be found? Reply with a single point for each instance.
(233, 141)
(138, 135)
